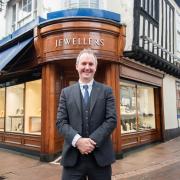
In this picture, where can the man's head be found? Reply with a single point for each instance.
(86, 64)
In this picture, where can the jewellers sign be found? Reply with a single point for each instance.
(78, 42)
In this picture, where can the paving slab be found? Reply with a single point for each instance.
(157, 162)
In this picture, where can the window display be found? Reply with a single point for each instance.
(128, 108)
(20, 107)
(145, 105)
(14, 108)
(2, 103)
(137, 109)
(33, 107)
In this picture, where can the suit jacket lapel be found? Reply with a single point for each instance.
(94, 95)
(77, 96)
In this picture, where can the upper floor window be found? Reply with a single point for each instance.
(25, 7)
(81, 4)
(178, 32)
(23, 12)
(150, 7)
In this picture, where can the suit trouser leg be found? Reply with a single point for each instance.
(72, 174)
(95, 172)
(78, 172)
(87, 167)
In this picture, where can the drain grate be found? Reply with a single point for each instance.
(2, 177)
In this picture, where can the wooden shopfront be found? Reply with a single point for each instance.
(56, 45)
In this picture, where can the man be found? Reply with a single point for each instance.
(86, 118)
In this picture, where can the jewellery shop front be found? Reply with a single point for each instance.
(46, 63)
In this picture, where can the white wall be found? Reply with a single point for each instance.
(46, 6)
(2, 29)
(169, 96)
(125, 9)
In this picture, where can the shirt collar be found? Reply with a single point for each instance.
(89, 84)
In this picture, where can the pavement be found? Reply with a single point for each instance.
(155, 162)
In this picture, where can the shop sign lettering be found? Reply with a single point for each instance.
(79, 41)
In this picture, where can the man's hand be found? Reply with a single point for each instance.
(85, 145)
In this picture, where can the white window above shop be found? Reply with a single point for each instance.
(23, 12)
(69, 4)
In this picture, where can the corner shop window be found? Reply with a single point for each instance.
(2, 107)
(137, 110)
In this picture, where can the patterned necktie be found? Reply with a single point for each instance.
(86, 94)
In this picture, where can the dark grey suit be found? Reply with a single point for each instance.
(102, 122)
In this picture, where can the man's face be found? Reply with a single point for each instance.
(86, 68)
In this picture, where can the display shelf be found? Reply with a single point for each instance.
(16, 123)
(34, 124)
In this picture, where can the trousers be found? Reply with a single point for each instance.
(87, 169)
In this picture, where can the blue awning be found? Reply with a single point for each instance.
(9, 54)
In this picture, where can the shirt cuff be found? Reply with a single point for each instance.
(75, 139)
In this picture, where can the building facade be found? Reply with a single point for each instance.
(137, 46)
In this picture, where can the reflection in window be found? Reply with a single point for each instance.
(128, 107)
(137, 109)
(15, 108)
(2, 108)
(33, 107)
(145, 104)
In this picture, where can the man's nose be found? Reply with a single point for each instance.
(87, 66)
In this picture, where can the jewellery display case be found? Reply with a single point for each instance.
(15, 123)
(1, 123)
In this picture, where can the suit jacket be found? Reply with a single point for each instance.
(102, 122)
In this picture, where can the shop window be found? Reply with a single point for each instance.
(128, 107)
(13, 17)
(145, 108)
(2, 108)
(137, 109)
(33, 107)
(178, 102)
(15, 108)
